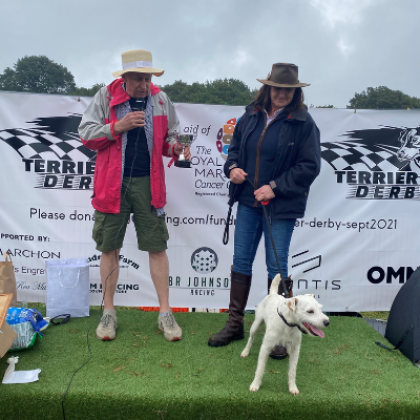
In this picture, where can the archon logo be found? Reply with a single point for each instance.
(224, 136)
(377, 164)
(204, 260)
(52, 149)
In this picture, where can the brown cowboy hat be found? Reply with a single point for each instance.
(283, 75)
(137, 61)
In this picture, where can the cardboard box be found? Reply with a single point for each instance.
(7, 333)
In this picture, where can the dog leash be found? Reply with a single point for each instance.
(290, 325)
(285, 291)
(399, 344)
(264, 204)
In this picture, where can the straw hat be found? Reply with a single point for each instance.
(283, 75)
(138, 61)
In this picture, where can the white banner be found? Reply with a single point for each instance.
(355, 247)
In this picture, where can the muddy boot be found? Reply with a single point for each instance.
(234, 329)
(280, 352)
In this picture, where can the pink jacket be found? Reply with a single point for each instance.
(96, 131)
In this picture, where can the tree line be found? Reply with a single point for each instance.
(39, 74)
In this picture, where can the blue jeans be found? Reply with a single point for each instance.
(249, 226)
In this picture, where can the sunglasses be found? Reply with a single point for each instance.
(60, 319)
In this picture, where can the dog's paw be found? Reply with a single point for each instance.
(245, 353)
(254, 387)
(293, 390)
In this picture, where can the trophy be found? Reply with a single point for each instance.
(185, 140)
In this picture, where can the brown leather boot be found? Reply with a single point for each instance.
(234, 329)
(280, 352)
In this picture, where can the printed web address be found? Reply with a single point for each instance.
(372, 224)
(210, 219)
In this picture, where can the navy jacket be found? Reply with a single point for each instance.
(297, 162)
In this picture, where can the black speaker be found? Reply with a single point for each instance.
(403, 326)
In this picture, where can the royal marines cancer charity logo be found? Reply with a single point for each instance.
(224, 137)
(53, 150)
(381, 163)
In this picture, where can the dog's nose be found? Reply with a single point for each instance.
(326, 323)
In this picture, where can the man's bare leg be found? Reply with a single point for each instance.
(110, 270)
(159, 270)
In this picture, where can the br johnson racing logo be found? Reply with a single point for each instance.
(204, 260)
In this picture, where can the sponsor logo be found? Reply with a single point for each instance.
(124, 261)
(22, 285)
(377, 164)
(38, 285)
(389, 275)
(120, 288)
(204, 260)
(224, 137)
(53, 151)
(27, 253)
(309, 263)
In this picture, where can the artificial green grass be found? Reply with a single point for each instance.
(142, 376)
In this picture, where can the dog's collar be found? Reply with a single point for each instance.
(290, 325)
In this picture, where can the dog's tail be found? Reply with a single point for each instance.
(275, 285)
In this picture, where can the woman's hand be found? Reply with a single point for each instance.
(265, 193)
(237, 175)
(178, 150)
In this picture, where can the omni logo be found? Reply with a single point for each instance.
(224, 137)
(377, 274)
(204, 260)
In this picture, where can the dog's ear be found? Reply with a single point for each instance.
(291, 304)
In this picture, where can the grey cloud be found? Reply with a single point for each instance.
(199, 41)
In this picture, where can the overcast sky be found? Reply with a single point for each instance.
(340, 46)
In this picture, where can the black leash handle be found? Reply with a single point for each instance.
(226, 232)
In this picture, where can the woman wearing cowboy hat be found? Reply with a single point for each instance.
(274, 156)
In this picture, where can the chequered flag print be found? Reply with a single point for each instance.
(373, 149)
(51, 139)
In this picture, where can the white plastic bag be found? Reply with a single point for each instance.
(67, 287)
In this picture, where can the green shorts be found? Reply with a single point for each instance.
(152, 233)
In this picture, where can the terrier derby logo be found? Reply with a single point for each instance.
(376, 164)
(53, 150)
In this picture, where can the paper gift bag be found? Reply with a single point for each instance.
(8, 279)
(67, 287)
(7, 334)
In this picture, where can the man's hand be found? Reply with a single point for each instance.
(265, 193)
(130, 121)
(237, 175)
(178, 150)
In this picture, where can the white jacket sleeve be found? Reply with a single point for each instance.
(95, 122)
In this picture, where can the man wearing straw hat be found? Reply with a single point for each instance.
(131, 124)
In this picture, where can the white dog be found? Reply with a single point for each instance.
(286, 320)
